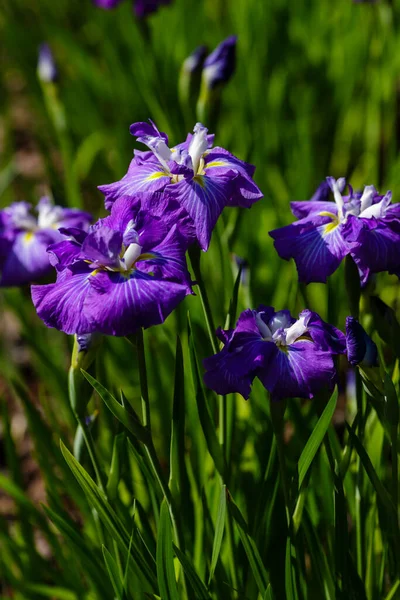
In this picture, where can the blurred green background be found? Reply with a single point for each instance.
(316, 92)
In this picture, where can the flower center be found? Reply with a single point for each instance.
(281, 330)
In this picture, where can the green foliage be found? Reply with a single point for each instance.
(190, 503)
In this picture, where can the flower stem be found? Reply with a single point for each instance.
(150, 449)
(194, 255)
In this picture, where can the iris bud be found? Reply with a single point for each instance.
(218, 69)
(361, 350)
(47, 70)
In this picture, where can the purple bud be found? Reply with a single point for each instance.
(361, 350)
(219, 66)
(47, 70)
(194, 62)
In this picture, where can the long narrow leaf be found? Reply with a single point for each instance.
(165, 557)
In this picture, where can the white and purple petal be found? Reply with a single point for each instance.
(203, 198)
(61, 304)
(119, 304)
(298, 371)
(315, 243)
(147, 177)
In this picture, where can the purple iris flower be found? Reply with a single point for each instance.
(220, 65)
(361, 350)
(142, 7)
(202, 179)
(47, 70)
(365, 225)
(25, 237)
(292, 358)
(128, 271)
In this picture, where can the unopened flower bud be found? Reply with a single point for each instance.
(361, 350)
(47, 70)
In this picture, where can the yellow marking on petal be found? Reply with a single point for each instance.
(330, 226)
(156, 175)
(28, 237)
(200, 180)
(146, 256)
(94, 273)
(216, 163)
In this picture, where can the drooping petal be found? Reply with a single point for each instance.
(315, 243)
(145, 177)
(61, 304)
(298, 371)
(119, 305)
(374, 244)
(234, 368)
(167, 259)
(203, 198)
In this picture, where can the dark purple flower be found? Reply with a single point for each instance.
(142, 7)
(365, 225)
(292, 358)
(361, 350)
(128, 271)
(25, 237)
(220, 65)
(202, 179)
(47, 70)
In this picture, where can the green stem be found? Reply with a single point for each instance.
(194, 255)
(150, 449)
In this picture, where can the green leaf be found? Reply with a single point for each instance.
(109, 518)
(49, 591)
(113, 572)
(219, 531)
(85, 553)
(391, 594)
(198, 587)
(268, 593)
(316, 438)
(249, 545)
(206, 421)
(178, 483)
(129, 419)
(290, 583)
(367, 464)
(165, 557)
(115, 469)
(319, 562)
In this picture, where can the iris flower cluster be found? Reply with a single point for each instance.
(296, 358)
(129, 270)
